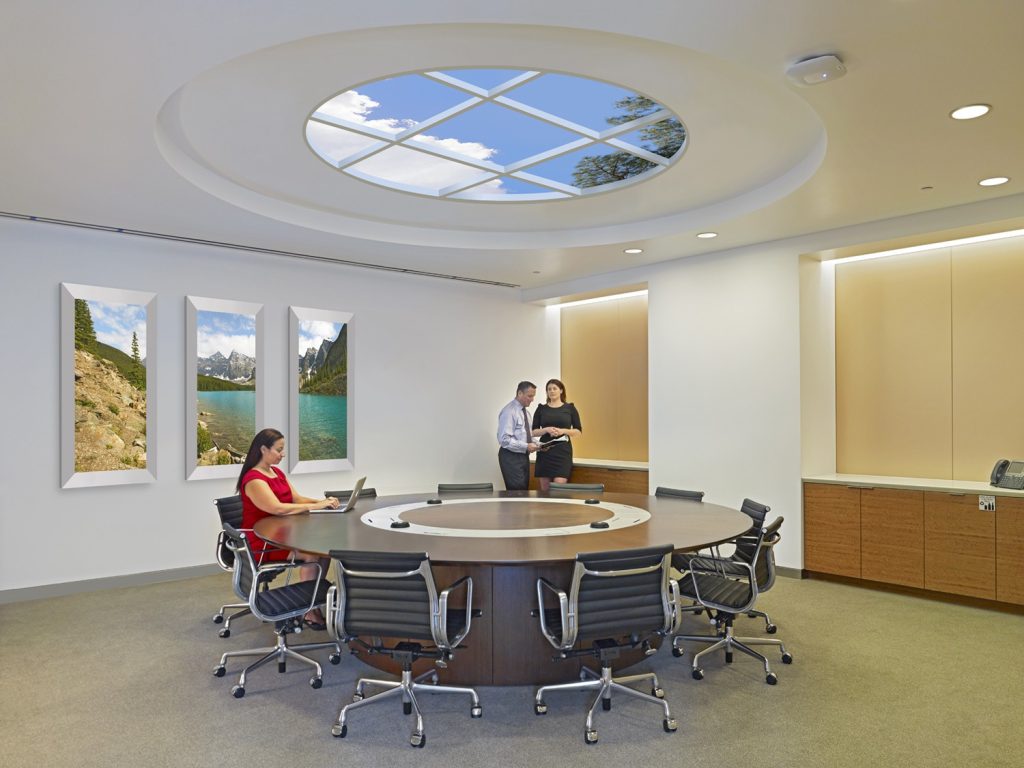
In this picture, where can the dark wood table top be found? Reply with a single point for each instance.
(687, 525)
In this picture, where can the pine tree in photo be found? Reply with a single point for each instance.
(85, 334)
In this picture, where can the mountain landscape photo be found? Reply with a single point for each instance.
(225, 386)
(323, 391)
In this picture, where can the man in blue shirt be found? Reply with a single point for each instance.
(515, 439)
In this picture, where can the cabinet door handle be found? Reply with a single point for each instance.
(957, 494)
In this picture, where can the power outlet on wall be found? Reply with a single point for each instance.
(987, 503)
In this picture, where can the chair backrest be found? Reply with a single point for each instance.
(230, 510)
(590, 487)
(756, 512)
(387, 594)
(625, 592)
(465, 487)
(679, 493)
(245, 566)
(757, 550)
(342, 496)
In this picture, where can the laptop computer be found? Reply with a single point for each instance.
(350, 504)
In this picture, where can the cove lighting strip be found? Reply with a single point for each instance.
(606, 298)
(929, 247)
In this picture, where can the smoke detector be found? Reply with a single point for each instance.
(819, 69)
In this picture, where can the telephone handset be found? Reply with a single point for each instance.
(1008, 474)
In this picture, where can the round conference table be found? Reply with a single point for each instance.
(505, 541)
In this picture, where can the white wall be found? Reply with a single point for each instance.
(434, 361)
(724, 339)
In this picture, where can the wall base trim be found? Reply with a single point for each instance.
(789, 573)
(108, 582)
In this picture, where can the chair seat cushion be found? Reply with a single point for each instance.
(290, 600)
(727, 567)
(715, 589)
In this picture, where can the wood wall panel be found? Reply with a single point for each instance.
(832, 529)
(988, 369)
(615, 480)
(959, 545)
(1010, 550)
(892, 536)
(604, 368)
(893, 361)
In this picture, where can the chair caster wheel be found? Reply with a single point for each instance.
(339, 731)
(697, 674)
(787, 658)
(238, 691)
(606, 704)
(771, 629)
(677, 652)
(334, 658)
(281, 668)
(476, 712)
(224, 633)
(771, 679)
(218, 618)
(658, 693)
(590, 737)
(540, 708)
(728, 657)
(316, 682)
(218, 671)
(406, 707)
(418, 740)
(357, 697)
(669, 724)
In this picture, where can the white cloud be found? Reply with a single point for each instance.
(396, 165)
(208, 343)
(115, 323)
(313, 332)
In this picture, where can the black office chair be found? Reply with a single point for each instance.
(230, 510)
(342, 496)
(588, 487)
(729, 587)
(465, 487)
(283, 606)
(679, 493)
(616, 600)
(392, 595)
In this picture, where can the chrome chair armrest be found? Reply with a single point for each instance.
(221, 546)
(331, 614)
(568, 637)
(675, 617)
(442, 617)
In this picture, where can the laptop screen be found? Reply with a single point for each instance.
(352, 499)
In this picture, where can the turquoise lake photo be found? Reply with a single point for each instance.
(323, 427)
(230, 417)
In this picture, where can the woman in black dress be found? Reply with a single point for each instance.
(555, 419)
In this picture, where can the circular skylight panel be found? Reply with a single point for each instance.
(495, 135)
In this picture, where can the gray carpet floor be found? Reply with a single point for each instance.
(123, 678)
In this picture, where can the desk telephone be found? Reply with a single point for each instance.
(1008, 474)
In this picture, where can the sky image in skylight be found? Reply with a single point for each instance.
(422, 134)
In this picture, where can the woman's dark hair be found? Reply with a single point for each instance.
(265, 438)
(558, 384)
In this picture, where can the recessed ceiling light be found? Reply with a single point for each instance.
(970, 111)
(634, 250)
(707, 235)
(994, 181)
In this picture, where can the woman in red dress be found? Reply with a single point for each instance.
(266, 491)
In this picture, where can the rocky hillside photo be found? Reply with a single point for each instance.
(110, 417)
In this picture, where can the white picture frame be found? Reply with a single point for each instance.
(97, 434)
(331, 450)
(233, 334)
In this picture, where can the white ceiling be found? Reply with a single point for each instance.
(187, 119)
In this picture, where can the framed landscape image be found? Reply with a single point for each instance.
(320, 402)
(108, 386)
(224, 397)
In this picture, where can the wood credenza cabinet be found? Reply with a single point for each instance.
(931, 540)
(832, 529)
(615, 480)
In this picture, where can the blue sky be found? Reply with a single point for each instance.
(486, 132)
(225, 332)
(114, 324)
